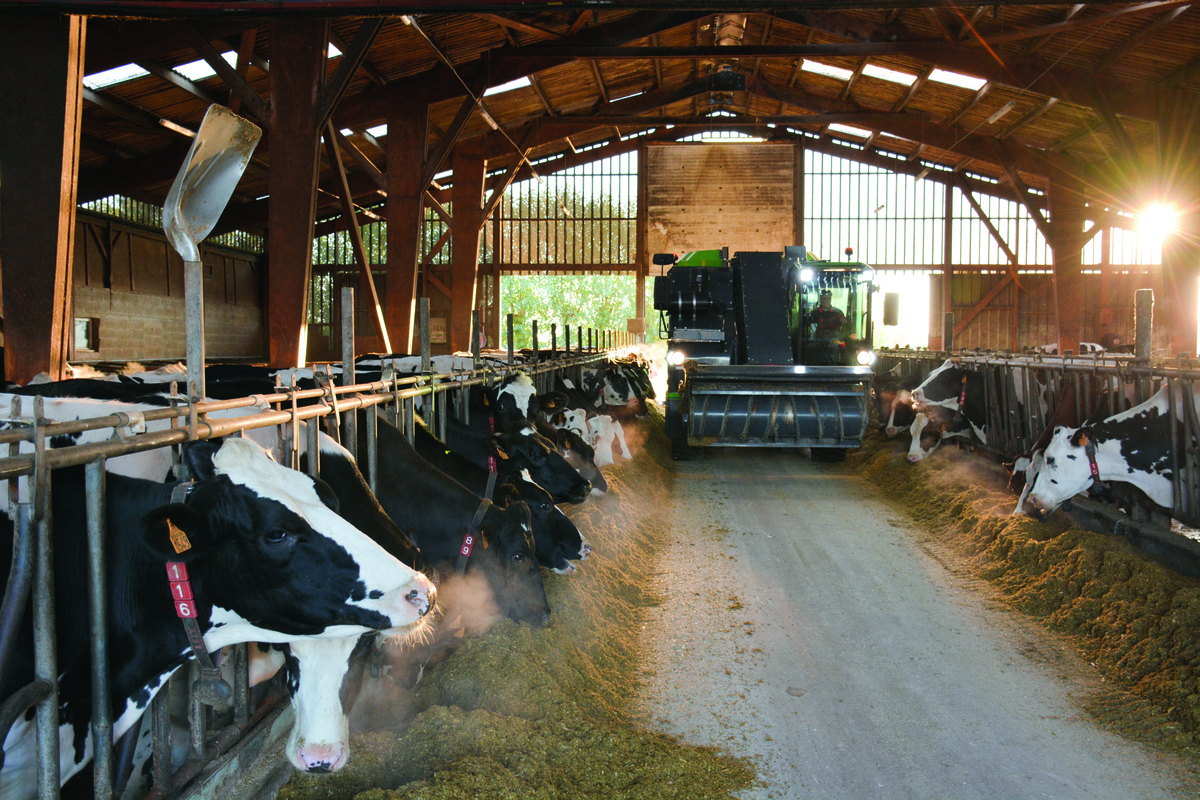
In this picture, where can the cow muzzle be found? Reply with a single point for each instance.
(320, 759)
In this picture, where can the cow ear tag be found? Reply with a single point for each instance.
(179, 539)
(1083, 440)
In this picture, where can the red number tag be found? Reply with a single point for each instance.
(182, 590)
(468, 544)
(185, 609)
(177, 571)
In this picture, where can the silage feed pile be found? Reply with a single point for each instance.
(529, 714)
(1136, 621)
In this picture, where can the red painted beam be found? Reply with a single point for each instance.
(298, 46)
(39, 159)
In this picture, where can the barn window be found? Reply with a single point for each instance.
(87, 334)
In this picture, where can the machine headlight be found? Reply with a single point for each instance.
(866, 357)
(806, 275)
(868, 274)
(675, 358)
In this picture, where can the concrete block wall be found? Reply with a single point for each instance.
(137, 327)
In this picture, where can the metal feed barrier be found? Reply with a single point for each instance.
(223, 748)
(1101, 384)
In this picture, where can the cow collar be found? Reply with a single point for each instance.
(962, 401)
(211, 688)
(468, 542)
(1089, 448)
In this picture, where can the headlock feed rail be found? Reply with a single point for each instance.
(766, 349)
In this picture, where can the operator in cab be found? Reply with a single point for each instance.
(827, 319)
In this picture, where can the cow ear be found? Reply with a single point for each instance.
(198, 457)
(173, 532)
(503, 493)
(498, 448)
(1080, 438)
(326, 495)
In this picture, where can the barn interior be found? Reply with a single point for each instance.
(1082, 115)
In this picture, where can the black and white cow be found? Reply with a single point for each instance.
(557, 540)
(516, 452)
(894, 404)
(309, 747)
(619, 384)
(1133, 446)
(440, 514)
(259, 555)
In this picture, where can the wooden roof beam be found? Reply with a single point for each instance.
(1030, 116)
(932, 15)
(254, 103)
(913, 88)
(1006, 161)
(369, 69)
(352, 59)
(135, 114)
(1032, 47)
(1136, 40)
(517, 25)
(980, 93)
(853, 79)
(536, 85)
(175, 79)
(600, 81)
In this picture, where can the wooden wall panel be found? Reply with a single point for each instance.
(702, 196)
(149, 262)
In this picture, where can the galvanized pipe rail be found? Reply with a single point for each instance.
(189, 421)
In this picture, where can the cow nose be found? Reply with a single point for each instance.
(322, 759)
(422, 598)
(891, 431)
(586, 550)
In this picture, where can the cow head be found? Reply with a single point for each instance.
(580, 455)
(274, 559)
(510, 566)
(927, 431)
(324, 678)
(557, 541)
(1066, 469)
(527, 450)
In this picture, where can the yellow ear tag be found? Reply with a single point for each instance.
(1083, 440)
(179, 539)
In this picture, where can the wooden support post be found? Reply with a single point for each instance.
(1066, 243)
(1178, 184)
(298, 61)
(39, 163)
(1143, 322)
(469, 174)
(356, 241)
(403, 210)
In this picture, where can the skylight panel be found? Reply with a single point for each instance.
(519, 83)
(956, 79)
(333, 50)
(378, 130)
(885, 74)
(199, 69)
(850, 129)
(111, 77)
(826, 69)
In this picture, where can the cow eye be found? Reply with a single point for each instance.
(1050, 461)
(277, 535)
(518, 558)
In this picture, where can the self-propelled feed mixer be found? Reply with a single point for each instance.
(766, 349)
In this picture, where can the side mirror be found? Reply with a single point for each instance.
(664, 259)
(891, 308)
